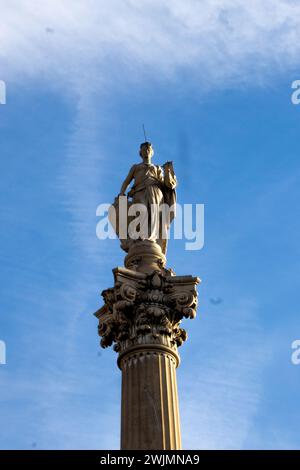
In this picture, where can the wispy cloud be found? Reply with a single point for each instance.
(83, 47)
(90, 42)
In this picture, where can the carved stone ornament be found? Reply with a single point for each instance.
(146, 309)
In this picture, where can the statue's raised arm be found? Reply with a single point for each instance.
(127, 181)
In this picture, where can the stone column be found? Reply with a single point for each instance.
(141, 316)
(150, 413)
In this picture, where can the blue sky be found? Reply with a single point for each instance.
(211, 81)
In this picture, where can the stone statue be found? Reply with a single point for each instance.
(142, 312)
(154, 191)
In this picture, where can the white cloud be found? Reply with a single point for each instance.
(73, 42)
(86, 45)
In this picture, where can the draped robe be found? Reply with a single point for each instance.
(152, 188)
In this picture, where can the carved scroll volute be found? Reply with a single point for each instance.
(183, 294)
(186, 303)
(107, 327)
(128, 292)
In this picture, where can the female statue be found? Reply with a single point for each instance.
(154, 192)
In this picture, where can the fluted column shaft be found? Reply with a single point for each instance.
(150, 412)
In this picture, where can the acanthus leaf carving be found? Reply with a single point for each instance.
(146, 306)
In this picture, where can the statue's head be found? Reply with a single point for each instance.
(146, 151)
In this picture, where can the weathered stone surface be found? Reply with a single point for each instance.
(141, 317)
(150, 412)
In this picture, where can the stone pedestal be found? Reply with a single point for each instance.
(141, 316)
(145, 256)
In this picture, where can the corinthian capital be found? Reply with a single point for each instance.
(144, 309)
